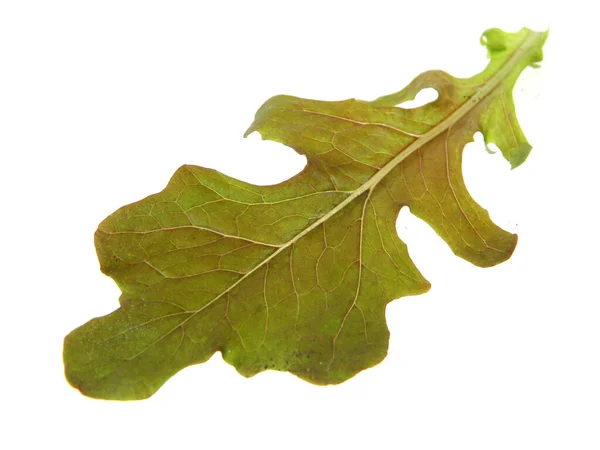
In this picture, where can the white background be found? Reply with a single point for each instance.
(100, 102)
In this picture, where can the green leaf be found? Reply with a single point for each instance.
(296, 276)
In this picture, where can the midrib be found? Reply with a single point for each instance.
(444, 125)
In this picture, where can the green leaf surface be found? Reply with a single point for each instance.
(296, 276)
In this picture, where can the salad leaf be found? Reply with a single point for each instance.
(296, 276)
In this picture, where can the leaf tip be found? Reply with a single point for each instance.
(497, 41)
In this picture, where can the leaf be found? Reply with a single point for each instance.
(296, 277)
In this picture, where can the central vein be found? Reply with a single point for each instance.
(441, 127)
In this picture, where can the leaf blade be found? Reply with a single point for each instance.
(296, 276)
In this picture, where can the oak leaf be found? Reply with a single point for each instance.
(296, 276)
